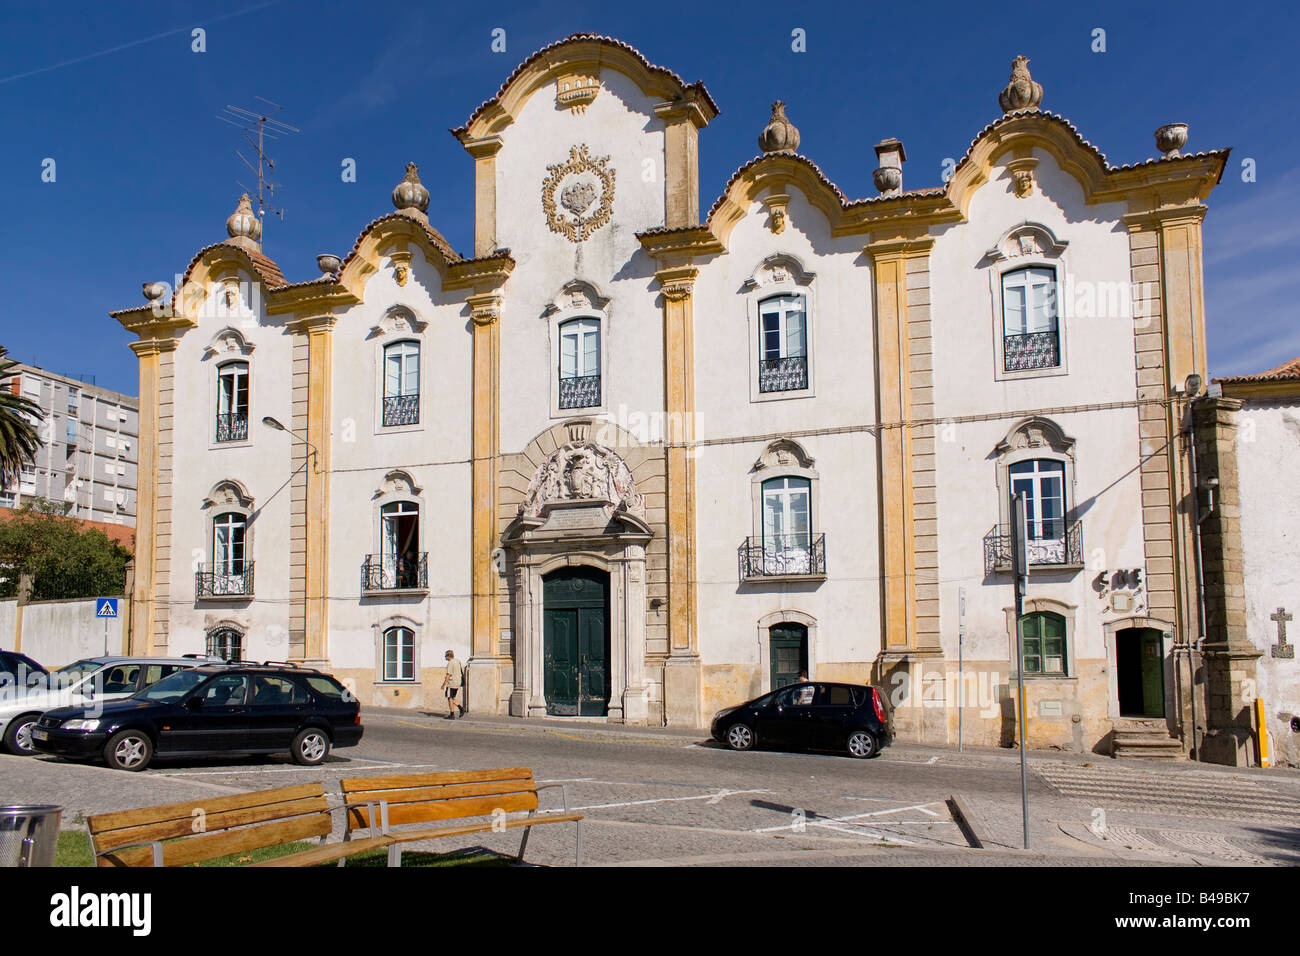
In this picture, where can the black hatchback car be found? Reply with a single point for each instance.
(212, 710)
(810, 716)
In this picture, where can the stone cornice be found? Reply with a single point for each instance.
(312, 323)
(482, 274)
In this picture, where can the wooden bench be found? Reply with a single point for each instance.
(379, 804)
(177, 834)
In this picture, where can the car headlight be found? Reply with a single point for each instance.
(81, 725)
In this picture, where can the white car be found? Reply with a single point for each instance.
(81, 684)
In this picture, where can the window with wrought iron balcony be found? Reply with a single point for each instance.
(401, 399)
(395, 572)
(776, 557)
(232, 402)
(1031, 336)
(579, 384)
(783, 355)
(229, 575)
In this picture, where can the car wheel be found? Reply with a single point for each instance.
(129, 750)
(18, 735)
(310, 747)
(740, 737)
(861, 744)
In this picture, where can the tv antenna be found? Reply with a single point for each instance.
(258, 126)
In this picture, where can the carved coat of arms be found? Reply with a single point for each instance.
(578, 195)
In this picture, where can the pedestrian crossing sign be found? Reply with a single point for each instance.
(106, 607)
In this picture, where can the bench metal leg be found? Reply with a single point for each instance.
(578, 838)
(523, 844)
(395, 855)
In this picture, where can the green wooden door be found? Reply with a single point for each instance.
(789, 646)
(576, 642)
(1153, 674)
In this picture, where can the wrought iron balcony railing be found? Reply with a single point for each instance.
(227, 582)
(580, 392)
(1062, 549)
(783, 374)
(783, 555)
(1030, 351)
(401, 572)
(401, 410)
(232, 427)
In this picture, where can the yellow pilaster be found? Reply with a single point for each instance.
(889, 259)
(679, 386)
(149, 352)
(320, 364)
(485, 152)
(485, 311)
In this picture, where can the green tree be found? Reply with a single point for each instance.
(19, 439)
(64, 560)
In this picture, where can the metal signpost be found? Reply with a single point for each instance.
(961, 680)
(106, 609)
(1020, 572)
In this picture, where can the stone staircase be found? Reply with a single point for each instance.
(1146, 738)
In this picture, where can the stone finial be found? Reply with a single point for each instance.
(410, 194)
(153, 291)
(1021, 93)
(328, 264)
(1171, 138)
(242, 224)
(888, 176)
(779, 135)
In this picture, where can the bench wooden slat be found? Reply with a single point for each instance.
(416, 794)
(211, 822)
(409, 836)
(328, 853)
(446, 778)
(398, 814)
(211, 846)
(102, 822)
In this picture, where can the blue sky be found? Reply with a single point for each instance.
(146, 175)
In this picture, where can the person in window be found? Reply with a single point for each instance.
(451, 682)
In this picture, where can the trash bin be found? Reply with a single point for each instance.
(29, 835)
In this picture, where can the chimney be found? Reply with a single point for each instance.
(888, 176)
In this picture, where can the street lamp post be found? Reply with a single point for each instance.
(274, 423)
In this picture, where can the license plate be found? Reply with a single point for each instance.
(40, 735)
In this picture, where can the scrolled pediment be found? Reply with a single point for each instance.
(1036, 432)
(228, 493)
(783, 453)
(780, 269)
(229, 342)
(1027, 239)
(399, 320)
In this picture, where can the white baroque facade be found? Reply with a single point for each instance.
(637, 462)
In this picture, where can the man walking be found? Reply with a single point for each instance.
(451, 685)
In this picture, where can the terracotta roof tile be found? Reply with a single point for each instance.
(266, 268)
(434, 235)
(697, 86)
(1286, 372)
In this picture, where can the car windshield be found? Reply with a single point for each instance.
(69, 675)
(172, 688)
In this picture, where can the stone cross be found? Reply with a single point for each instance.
(1282, 648)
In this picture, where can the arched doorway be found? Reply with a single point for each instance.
(789, 653)
(1140, 672)
(575, 642)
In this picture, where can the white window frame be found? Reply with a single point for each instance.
(777, 276)
(399, 324)
(406, 343)
(401, 660)
(224, 362)
(596, 326)
(380, 629)
(997, 278)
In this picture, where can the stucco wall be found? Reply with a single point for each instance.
(1270, 531)
(56, 633)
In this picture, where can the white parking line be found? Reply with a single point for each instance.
(923, 807)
